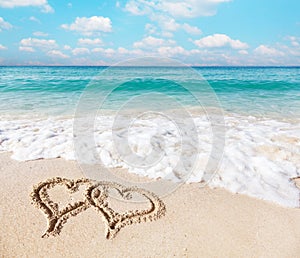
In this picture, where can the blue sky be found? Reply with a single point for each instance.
(196, 32)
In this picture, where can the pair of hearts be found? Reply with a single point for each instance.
(96, 195)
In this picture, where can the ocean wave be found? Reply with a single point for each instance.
(260, 155)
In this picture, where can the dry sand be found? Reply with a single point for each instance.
(198, 222)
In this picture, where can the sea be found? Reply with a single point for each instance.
(240, 124)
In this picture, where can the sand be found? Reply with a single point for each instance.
(198, 222)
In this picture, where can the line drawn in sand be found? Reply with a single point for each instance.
(96, 195)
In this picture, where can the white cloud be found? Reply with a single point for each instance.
(2, 47)
(155, 46)
(80, 51)
(156, 50)
(268, 51)
(4, 25)
(162, 13)
(26, 49)
(34, 19)
(294, 41)
(150, 28)
(190, 8)
(107, 51)
(67, 47)
(43, 4)
(167, 34)
(123, 50)
(220, 40)
(70, 5)
(47, 9)
(175, 8)
(191, 29)
(17, 3)
(166, 23)
(56, 54)
(150, 42)
(136, 7)
(243, 52)
(169, 25)
(87, 41)
(89, 26)
(29, 44)
(40, 34)
(172, 51)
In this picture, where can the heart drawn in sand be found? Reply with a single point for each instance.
(56, 218)
(96, 195)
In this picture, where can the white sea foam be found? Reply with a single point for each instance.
(260, 155)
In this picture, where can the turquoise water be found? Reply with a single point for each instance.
(259, 142)
(257, 91)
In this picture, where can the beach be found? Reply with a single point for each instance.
(221, 157)
(198, 222)
(158, 128)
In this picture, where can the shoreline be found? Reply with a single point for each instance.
(198, 222)
(263, 151)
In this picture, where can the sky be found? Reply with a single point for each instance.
(195, 32)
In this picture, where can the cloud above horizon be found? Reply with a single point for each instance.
(43, 4)
(31, 44)
(4, 25)
(175, 8)
(196, 32)
(89, 25)
(220, 40)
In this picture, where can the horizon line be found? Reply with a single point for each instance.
(194, 66)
